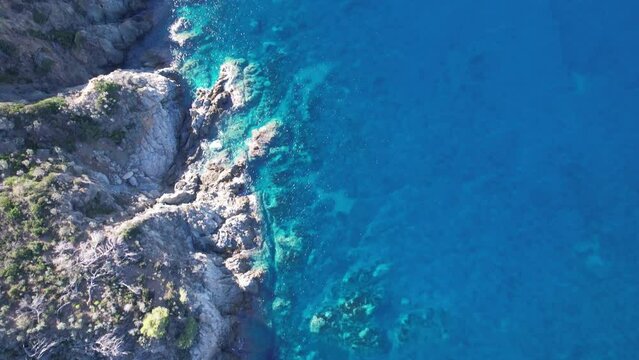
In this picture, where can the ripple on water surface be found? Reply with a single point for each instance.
(450, 180)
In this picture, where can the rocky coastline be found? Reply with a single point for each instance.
(129, 231)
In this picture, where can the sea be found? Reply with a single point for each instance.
(451, 179)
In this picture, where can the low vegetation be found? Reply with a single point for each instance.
(155, 323)
(70, 284)
(59, 280)
(108, 93)
(39, 17)
(8, 47)
(51, 122)
(188, 335)
(43, 108)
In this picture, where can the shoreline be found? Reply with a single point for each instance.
(164, 178)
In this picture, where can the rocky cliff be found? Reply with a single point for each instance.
(49, 45)
(126, 232)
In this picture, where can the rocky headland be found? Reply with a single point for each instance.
(128, 231)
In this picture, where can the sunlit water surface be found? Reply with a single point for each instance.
(452, 179)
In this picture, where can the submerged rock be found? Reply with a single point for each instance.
(180, 31)
(347, 314)
(260, 139)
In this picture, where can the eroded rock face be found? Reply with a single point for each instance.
(122, 242)
(213, 202)
(49, 45)
(142, 108)
(217, 233)
(123, 125)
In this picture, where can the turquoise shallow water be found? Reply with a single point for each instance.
(452, 180)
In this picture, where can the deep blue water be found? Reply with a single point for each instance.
(452, 180)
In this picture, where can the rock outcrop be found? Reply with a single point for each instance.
(144, 108)
(260, 139)
(123, 124)
(103, 239)
(49, 45)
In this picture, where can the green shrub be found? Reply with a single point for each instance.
(36, 226)
(50, 106)
(107, 94)
(117, 136)
(10, 208)
(88, 129)
(5, 203)
(8, 48)
(9, 76)
(65, 38)
(39, 267)
(185, 341)
(44, 68)
(37, 34)
(37, 207)
(11, 109)
(154, 323)
(107, 87)
(39, 17)
(15, 213)
(131, 232)
(16, 290)
(10, 271)
(36, 247)
(22, 253)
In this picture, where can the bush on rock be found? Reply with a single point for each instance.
(155, 322)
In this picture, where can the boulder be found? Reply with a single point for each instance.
(177, 198)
